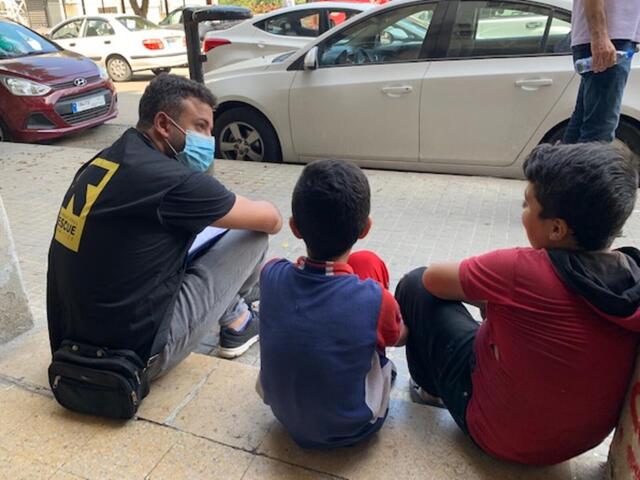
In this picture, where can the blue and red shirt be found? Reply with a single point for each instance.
(322, 333)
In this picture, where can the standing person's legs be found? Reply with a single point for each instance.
(597, 112)
(440, 344)
(572, 132)
(602, 102)
(212, 292)
(367, 264)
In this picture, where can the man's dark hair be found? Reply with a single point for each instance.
(166, 93)
(591, 186)
(331, 203)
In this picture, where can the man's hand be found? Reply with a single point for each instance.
(603, 54)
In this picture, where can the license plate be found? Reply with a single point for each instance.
(174, 40)
(88, 103)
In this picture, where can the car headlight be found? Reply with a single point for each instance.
(103, 73)
(23, 87)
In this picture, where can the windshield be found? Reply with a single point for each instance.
(136, 24)
(18, 41)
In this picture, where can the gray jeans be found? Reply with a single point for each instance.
(213, 290)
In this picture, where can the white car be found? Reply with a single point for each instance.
(278, 31)
(442, 86)
(123, 43)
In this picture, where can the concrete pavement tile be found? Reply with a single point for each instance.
(196, 458)
(416, 442)
(169, 391)
(62, 475)
(263, 468)
(123, 451)
(227, 409)
(16, 406)
(51, 434)
(19, 467)
(29, 359)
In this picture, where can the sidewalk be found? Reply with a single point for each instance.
(204, 420)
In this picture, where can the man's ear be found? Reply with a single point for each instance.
(560, 231)
(161, 124)
(294, 228)
(365, 230)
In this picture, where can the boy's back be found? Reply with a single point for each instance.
(321, 371)
(550, 355)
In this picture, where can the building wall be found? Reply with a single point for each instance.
(157, 8)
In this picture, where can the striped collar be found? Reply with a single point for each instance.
(323, 268)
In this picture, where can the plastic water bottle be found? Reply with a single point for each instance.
(584, 65)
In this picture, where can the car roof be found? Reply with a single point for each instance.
(324, 5)
(565, 4)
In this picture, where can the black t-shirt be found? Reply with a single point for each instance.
(117, 258)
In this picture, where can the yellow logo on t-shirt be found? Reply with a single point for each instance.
(70, 226)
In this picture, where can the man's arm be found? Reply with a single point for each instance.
(603, 51)
(260, 216)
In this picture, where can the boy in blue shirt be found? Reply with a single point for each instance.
(326, 319)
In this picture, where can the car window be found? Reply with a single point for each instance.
(338, 16)
(18, 41)
(68, 30)
(172, 18)
(559, 38)
(293, 24)
(391, 36)
(98, 28)
(489, 28)
(137, 23)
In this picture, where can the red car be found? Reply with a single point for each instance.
(47, 92)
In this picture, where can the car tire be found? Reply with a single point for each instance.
(627, 133)
(119, 69)
(158, 71)
(4, 132)
(244, 134)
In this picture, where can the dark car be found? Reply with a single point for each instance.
(47, 92)
(174, 21)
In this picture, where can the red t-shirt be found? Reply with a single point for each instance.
(551, 370)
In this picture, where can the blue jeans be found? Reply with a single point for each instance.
(597, 111)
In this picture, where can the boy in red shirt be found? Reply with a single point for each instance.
(543, 378)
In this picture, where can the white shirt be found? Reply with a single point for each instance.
(623, 21)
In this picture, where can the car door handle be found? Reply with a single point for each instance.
(72, 44)
(534, 83)
(107, 42)
(397, 90)
(261, 44)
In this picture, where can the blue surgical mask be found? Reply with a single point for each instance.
(199, 150)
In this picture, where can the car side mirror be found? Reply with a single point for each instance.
(311, 59)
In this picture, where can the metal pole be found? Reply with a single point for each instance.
(166, 6)
(84, 9)
(191, 17)
(124, 9)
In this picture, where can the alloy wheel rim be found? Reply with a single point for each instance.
(241, 141)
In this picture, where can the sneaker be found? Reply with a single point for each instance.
(233, 344)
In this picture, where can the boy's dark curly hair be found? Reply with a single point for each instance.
(591, 186)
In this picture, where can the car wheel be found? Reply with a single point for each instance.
(626, 133)
(4, 132)
(244, 134)
(119, 69)
(158, 71)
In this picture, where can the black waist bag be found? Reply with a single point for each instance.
(98, 381)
